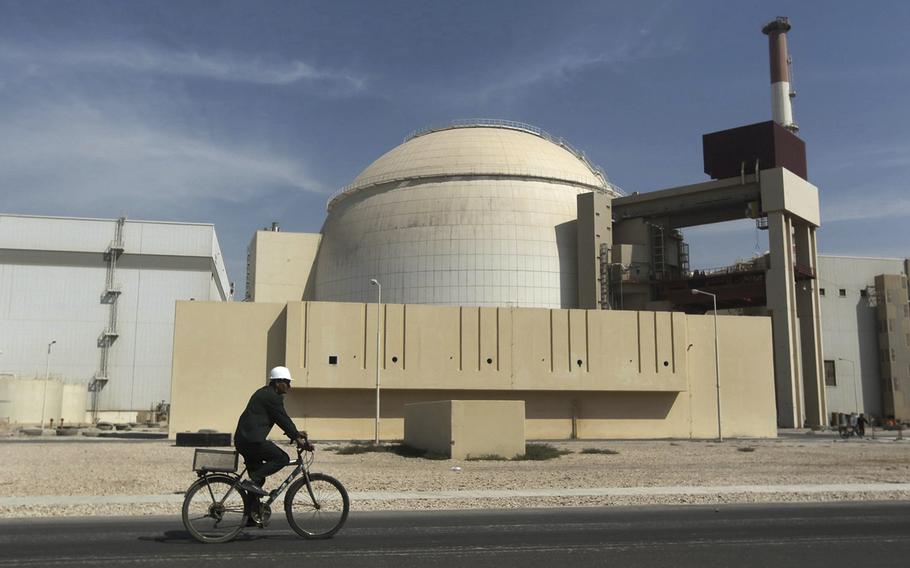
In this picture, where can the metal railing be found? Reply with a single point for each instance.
(415, 173)
(524, 127)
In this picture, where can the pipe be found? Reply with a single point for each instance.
(781, 93)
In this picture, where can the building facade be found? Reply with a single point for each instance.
(866, 330)
(92, 301)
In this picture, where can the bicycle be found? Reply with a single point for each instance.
(216, 509)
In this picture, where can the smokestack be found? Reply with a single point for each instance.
(781, 111)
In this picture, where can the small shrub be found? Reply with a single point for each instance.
(486, 457)
(540, 452)
(402, 450)
(605, 451)
(361, 448)
(407, 451)
(435, 456)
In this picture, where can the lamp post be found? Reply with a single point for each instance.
(720, 437)
(855, 397)
(376, 283)
(47, 367)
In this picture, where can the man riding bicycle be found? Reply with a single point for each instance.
(264, 410)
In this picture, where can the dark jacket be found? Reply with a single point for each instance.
(264, 410)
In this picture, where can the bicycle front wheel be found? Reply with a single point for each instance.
(213, 509)
(318, 511)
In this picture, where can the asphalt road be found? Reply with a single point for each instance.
(822, 535)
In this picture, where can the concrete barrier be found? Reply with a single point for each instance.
(464, 429)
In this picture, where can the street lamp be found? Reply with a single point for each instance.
(376, 283)
(720, 437)
(47, 366)
(855, 397)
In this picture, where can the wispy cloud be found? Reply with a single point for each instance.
(59, 156)
(566, 62)
(859, 207)
(147, 59)
(561, 61)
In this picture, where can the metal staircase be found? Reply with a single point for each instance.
(110, 297)
(683, 258)
(658, 254)
(606, 284)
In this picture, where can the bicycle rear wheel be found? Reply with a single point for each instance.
(214, 510)
(321, 514)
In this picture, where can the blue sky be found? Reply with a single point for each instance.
(244, 113)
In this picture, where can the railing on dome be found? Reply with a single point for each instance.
(468, 123)
(515, 125)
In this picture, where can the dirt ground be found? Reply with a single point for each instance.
(95, 467)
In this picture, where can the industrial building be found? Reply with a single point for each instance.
(90, 302)
(487, 259)
(866, 325)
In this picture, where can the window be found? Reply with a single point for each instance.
(842, 292)
(821, 291)
(830, 374)
(863, 293)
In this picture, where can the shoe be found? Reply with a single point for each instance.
(252, 488)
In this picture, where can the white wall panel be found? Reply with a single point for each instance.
(849, 334)
(173, 239)
(44, 302)
(47, 233)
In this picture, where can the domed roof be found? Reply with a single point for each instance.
(480, 148)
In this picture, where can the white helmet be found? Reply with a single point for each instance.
(280, 374)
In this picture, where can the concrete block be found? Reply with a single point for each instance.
(466, 428)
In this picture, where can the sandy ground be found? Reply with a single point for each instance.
(160, 468)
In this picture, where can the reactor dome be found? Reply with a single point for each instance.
(475, 213)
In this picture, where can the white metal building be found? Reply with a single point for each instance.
(103, 290)
(850, 330)
(476, 213)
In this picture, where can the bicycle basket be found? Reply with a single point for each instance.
(222, 461)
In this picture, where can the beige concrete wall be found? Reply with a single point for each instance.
(893, 318)
(642, 374)
(460, 347)
(782, 190)
(594, 228)
(746, 377)
(281, 265)
(220, 357)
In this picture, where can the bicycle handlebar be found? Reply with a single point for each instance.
(305, 446)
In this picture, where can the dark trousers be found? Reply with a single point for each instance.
(262, 459)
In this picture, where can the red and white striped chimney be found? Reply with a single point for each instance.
(781, 111)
